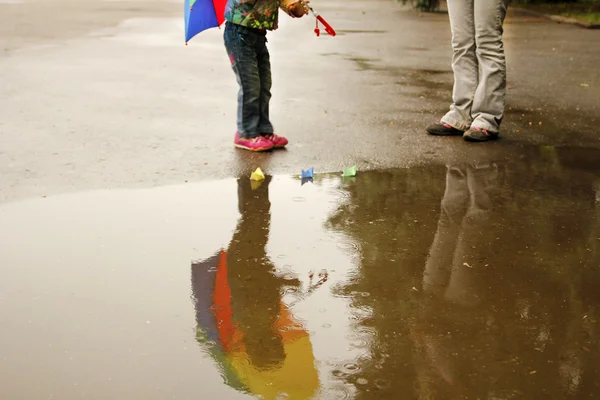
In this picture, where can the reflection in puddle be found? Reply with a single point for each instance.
(463, 281)
(488, 293)
(262, 349)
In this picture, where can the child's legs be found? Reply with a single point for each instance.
(241, 47)
(264, 70)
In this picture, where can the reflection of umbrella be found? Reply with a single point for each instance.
(294, 375)
(201, 15)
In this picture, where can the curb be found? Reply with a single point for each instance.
(561, 19)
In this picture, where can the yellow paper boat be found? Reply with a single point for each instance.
(257, 175)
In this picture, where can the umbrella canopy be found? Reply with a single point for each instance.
(293, 372)
(201, 15)
(295, 376)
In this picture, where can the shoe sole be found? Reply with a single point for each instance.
(259, 150)
(434, 133)
(480, 140)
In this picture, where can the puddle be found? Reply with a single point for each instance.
(471, 281)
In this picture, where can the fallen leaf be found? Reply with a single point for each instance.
(586, 349)
(415, 289)
(584, 85)
(533, 372)
(467, 265)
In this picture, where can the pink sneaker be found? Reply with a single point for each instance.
(279, 142)
(253, 144)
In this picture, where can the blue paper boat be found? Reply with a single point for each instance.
(309, 173)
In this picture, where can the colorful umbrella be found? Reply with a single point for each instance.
(201, 15)
(295, 375)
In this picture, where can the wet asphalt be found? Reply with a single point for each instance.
(137, 260)
(110, 97)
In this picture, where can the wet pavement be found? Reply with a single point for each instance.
(110, 97)
(471, 281)
(137, 260)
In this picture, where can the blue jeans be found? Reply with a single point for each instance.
(247, 50)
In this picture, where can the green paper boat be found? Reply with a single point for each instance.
(350, 171)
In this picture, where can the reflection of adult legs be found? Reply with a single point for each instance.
(474, 241)
(453, 207)
(435, 366)
(465, 209)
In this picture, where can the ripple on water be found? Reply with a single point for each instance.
(340, 194)
(339, 374)
(381, 383)
(351, 368)
(359, 294)
(360, 343)
(338, 393)
(296, 326)
(288, 276)
(364, 337)
(350, 246)
(362, 381)
(291, 290)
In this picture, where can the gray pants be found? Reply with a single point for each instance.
(478, 64)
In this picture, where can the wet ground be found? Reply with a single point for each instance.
(137, 260)
(471, 281)
(110, 97)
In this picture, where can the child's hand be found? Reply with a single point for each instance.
(298, 9)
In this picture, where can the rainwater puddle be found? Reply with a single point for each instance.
(231, 290)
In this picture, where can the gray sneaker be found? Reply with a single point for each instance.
(479, 135)
(441, 129)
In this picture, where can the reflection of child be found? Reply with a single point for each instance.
(263, 348)
(245, 41)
